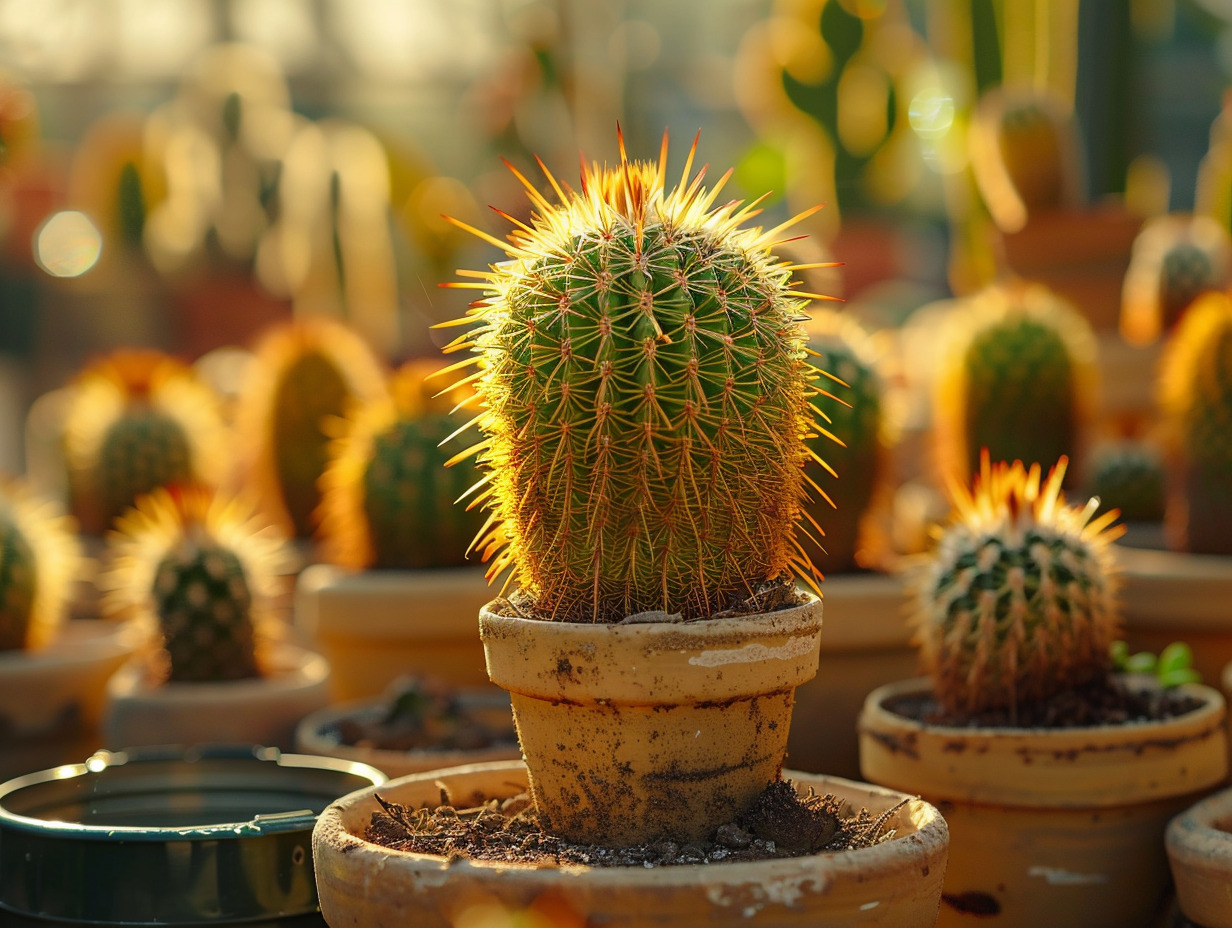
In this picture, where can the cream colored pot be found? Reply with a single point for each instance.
(1058, 827)
(895, 884)
(1199, 845)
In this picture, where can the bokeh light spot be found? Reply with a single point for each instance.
(931, 113)
(67, 244)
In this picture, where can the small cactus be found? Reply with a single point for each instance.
(855, 408)
(304, 373)
(1018, 601)
(200, 571)
(644, 399)
(388, 501)
(1017, 378)
(1196, 399)
(138, 420)
(1128, 476)
(38, 558)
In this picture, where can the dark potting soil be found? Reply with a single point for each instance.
(780, 823)
(1112, 700)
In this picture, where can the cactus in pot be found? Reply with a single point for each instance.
(38, 557)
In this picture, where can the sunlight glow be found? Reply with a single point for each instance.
(67, 244)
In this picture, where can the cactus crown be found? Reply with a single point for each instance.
(387, 497)
(1018, 602)
(39, 556)
(645, 399)
(199, 572)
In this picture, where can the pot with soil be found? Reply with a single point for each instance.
(420, 724)
(1056, 774)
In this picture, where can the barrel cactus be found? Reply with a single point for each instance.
(855, 408)
(304, 373)
(39, 556)
(388, 500)
(1017, 377)
(644, 399)
(1128, 476)
(1017, 603)
(199, 571)
(1196, 398)
(138, 420)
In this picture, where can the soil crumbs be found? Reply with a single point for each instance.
(780, 823)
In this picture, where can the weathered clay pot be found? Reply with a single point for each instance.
(377, 625)
(1199, 845)
(51, 700)
(1057, 827)
(867, 643)
(264, 710)
(361, 885)
(646, 730)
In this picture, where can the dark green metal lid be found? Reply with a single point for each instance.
(169, 836)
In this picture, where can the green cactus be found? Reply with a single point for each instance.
(1017, 603)
(38, 557)
(1128, 476)
(18, 586)
(1018, 380)
(141, 450)
(645, 399)
(1196, 397)
(856, 416)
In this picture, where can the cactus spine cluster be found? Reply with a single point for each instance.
(305, 373)
(1196, 398)
(1018, 601)
(855, 409)
(1017, 378)
(199, 570)
(645, 399)
(388, 501)
(38, 557)
(138, 420)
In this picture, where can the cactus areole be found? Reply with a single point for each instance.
(644, 397)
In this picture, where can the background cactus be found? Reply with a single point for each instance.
(1018, 601)
(857, 415)
(645, 397)
(1128, 476)
(387, 499)
(1018, 378)
(38, 558)
(200, 571)
(304, 373)
(138, 420)
(1196, 399)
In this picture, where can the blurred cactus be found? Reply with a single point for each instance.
(1196, 399)
(303, 373)
(1128, 476)
(387, 498)
(1017, 603)
(39, 557)
(1018, 378)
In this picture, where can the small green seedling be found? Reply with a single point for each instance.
(1172, 667)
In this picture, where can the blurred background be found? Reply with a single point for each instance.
(179, 174)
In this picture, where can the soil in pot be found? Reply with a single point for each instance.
(423, 714)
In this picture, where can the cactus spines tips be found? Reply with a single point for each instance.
(644, 398)
(39, 556)
(1018, 601)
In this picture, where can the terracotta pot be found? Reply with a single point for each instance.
(318, 733)
(867, 643)
(1170, 596)
(51, 700)
(674, 726)
(1199, 845)
(361, 885)
(1050, 827)
(377, 625)
(262, 711)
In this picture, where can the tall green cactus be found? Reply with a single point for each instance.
(1018, 602)
(644, 399)
(388, 501)
(1196, 397)
(38, 557)
(1017, 378)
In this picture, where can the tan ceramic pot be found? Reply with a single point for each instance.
(867, 643)
(1199, 845)
(1171, 596)
(261, 711)
(375, 626)
(1050, 827)
(895, 884)
(645, 730)
(51, 700)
